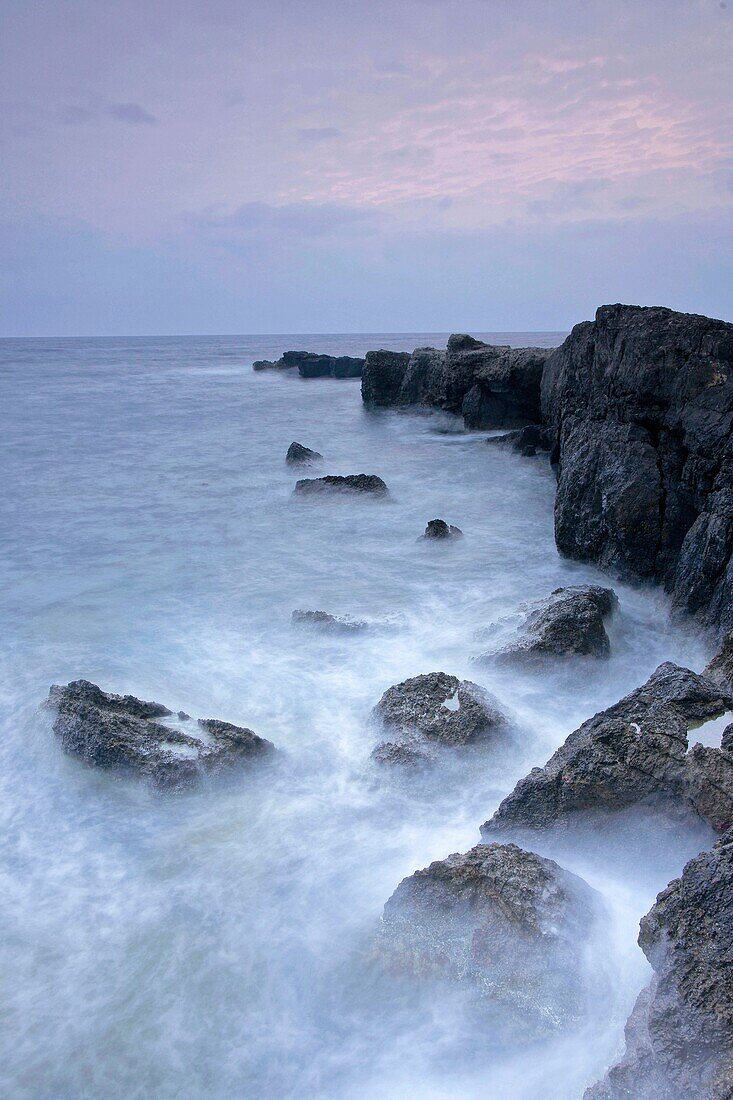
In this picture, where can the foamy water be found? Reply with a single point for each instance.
(217, 943)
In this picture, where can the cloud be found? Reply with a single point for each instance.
(132, 113)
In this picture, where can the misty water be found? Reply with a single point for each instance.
(218, 942)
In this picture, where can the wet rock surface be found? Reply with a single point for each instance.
(337, 483)
(328, 623)
(441, 709)
(298, 455)
(311, 364)
(439, 529)
(633, 753)
(125, 734)
(569, 623)
(679, 1037)
(508, 924)
(383, 374)
(639, 408)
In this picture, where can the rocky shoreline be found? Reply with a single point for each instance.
(634, 411)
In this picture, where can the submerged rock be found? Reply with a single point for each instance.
(440, 708)
(508, 924)
(639, 408)
(349, 483)
(439, 529)
(410, 754)
(633, 753)
(122, 733)
(332, 624)
(298, 455)
(569, 623)
(679, 1037)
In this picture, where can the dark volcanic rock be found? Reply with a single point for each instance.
(569, 623)
(350, 483)
(720, 668)
(382, 377)
(424, 380)
(639, 408)
(298, 455)
(331, 624)
(402, 754)
(633, 753)
(494, 386)
(509, 924)
(439, 529)
(440, 708)
(311, 364)
(122, 733)
(679, 1037)
(268, 364)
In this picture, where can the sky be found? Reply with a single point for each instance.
(303, 166)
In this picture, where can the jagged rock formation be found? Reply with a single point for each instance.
(368, 484)
(639, 408)
(679, 1037)
(441, 708)
(298, 455)
(569, 623)
(633, 753)
(720, 668)
(311, 364)
(508, 924)
(122, 733)
(439, 529)
(490, 386)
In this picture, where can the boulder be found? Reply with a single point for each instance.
(439, 529)
(679, 1037)
(569, 623)
(311, 364)
(638, 406)
(634, 753)
(410, 754)
(268, 364)
(508, 925)
(330, 624)
(382, 377)
(440, 708)
(298, 455)
(122, 733)
(350, 483)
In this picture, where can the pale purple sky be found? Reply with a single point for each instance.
(421, 165)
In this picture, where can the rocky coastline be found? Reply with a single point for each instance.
(634, 411)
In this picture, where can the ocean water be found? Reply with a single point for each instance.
(219, 943)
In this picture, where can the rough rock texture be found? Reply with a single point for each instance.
(334, 483)
(440, 708)
(311, 364)
(122, 733)
(298, 455)
(569, 623)
(633, 753)
(509, 924)
(720, 668)
(639, 408)
(679, 1037)
(382, 376)
(439, 529)
(331, 624)
(490, 386)
(526, 441)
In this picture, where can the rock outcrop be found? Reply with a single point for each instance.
(328, 623)
(367, 484)
(311, 364)
(720, 668)
(439, 529)
(435, 709)
(679, 1037)
(634, 753)
(509, 925)
(122, 733)
(639, 408)
(569, 623)
(490, 386)
(298, 455)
